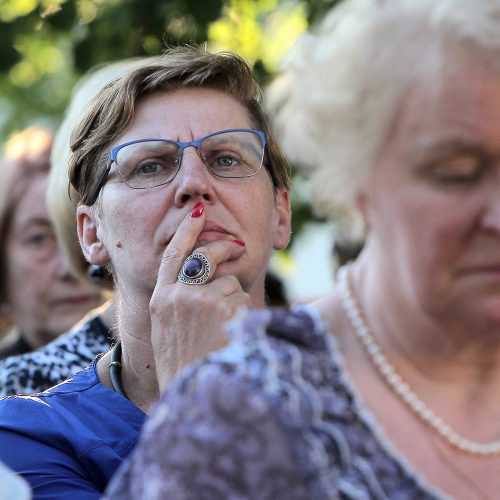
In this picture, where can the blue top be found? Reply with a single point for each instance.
(69, 440)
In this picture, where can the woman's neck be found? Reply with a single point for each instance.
(457, 375)
(137, 374)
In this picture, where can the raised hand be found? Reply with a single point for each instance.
(187, 320)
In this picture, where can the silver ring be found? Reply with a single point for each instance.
(195, 270)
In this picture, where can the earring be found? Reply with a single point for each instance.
(97, 274)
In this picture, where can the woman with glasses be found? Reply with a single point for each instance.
(183, 196)
(388, 386)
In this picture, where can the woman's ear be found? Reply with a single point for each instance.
(284, 221)
(93, 248)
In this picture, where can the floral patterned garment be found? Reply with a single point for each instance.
(272, 416)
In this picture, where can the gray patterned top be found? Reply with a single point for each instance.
(272, 416)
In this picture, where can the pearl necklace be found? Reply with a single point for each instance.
(397, 384)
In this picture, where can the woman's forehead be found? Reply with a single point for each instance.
(185, 114)
(461, 103)
(31, 205)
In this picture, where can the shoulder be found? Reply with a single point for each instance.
(51, 403)
(277, 346)
(300, 326)
(72, 408)
(77, 432)
(273, 404)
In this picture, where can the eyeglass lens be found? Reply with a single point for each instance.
(155, 162)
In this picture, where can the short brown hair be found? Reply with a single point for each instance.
(112, 109)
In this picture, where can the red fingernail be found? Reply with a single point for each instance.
(197, 210)
(240, 243)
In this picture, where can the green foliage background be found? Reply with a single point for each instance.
(47, 45)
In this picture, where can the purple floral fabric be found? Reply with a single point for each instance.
(269, 417)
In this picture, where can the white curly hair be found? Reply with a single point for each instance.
(341, 87)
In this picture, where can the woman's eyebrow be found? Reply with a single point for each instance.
(36, 221)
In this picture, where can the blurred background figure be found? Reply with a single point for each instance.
(69, 353)
(39, 294)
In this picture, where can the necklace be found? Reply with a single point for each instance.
(115, 369)
(397, 384)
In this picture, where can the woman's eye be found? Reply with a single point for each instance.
(458, 172)
(38, 239)
(226, 161)
(148, 169)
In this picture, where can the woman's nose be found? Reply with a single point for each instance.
(193, 180)
(62, 267)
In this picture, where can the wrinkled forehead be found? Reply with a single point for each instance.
(184, 114)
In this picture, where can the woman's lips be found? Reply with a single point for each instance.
(206, 236)
(211, 226)
(211, 231)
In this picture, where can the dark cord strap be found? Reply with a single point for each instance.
(115, 369)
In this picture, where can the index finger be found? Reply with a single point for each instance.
(181, 245)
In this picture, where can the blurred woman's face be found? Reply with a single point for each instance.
(46, 299)
(433, 198)
(136, 225)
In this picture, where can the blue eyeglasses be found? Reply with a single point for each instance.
(148, 163)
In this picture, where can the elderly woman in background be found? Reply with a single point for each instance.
(38, 291)
(183, 196)
(45, 367)
(388, 386)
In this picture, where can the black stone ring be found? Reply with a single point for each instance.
(195, 270)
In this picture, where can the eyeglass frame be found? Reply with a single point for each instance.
(182, 145)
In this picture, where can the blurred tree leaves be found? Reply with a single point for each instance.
(46, 45)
